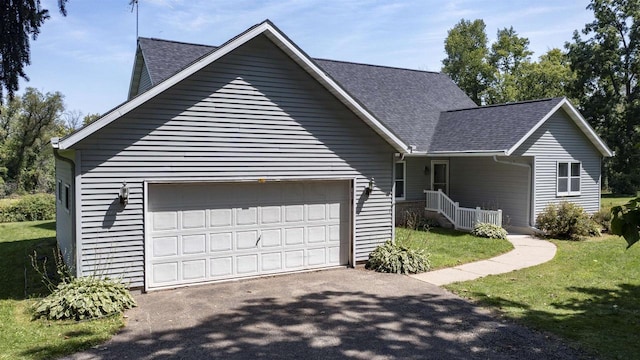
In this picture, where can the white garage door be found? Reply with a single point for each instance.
(206, 232)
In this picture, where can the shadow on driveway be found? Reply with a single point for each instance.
(343, 313)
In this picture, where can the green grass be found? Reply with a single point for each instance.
(608, 201)
(449, 248)
(20, 337)
(588, 294)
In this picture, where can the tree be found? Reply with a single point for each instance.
(89, 118)
(509, 55)
(506, 73)
(607, 66)
(466, 61)
(19, 21)
(626, 221)
(27, 124)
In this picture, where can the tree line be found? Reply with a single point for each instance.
(597, 70)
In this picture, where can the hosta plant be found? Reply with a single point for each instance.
(392, 257)
(490, 231)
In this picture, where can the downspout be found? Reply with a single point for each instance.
(514, 163)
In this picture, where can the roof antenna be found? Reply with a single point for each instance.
(134, 4)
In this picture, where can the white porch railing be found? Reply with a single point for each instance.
(461, 218)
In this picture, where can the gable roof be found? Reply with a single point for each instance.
(407, 101)
(501, 129)
(278, 38)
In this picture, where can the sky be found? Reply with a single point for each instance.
(88, 55)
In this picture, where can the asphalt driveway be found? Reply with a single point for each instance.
(343, 313)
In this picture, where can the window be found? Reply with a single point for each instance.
(59, 191)
(568, 178)
(66, 196)
(400, 180)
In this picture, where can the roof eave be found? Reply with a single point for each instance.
(460, 153)
(281, 41)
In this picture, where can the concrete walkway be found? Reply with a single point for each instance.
(528, 251)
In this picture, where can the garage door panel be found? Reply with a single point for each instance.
(247, 264)
(221, 267)
(194, 244)
(165, 246)
(294, 213)
(271, 261)
(221, 217)
(294, 259)
(220, 231)
(316, 234)
(194, 219)
(271, 238)
(294, 236)
(165, 220)
(165, 272)
(194, 269)
(221, 242)
(247, 216)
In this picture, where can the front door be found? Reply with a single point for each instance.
(440, 175)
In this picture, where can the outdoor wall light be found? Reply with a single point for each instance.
(124, 194)
(369, 188)
(426, 170)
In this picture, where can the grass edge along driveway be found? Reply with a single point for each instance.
(20, 287)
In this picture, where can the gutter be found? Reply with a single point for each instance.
(529, 190)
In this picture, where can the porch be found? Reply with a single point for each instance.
(462, 218)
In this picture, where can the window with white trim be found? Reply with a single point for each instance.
(400, 180)
(568, 178)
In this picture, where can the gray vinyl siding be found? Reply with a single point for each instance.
(559, 139)
(481, 182)
(252, 114)
(64, 216)
(145, 80)
(416, 181)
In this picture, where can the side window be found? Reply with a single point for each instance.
(568, 178)
(400, 180)
(66, 196)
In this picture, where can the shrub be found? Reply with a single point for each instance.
(490, 231)
(29, 208)
(392, 257)
(85, 298)
(603, 218)
(565, 221)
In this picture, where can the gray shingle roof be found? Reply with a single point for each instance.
(425, 109)
(487, 128)
(165, 58)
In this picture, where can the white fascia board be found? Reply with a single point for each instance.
(321, 76)
(163, 86)
(587, 129)
(459, 153)
(275, 35)
(577, 119)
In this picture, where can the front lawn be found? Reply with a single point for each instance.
(450, 247)
(21, 338)
(588, 294)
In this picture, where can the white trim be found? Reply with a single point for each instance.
(77, 211)
(281, 41)
(577, 119)
(432, 172)
(146, 251)
(404, 180)
(352, 221)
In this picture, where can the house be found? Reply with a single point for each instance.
(252, 158)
